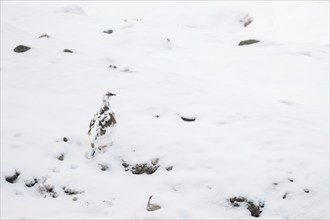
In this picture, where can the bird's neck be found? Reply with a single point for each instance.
(106, 102)
(105, 108)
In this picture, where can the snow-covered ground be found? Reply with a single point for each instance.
(262, 110)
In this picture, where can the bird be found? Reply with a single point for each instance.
(102, 126)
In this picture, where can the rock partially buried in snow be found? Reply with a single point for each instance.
(169, 168)
(21, 48)
(141, 168)
(61, 157)
(103, 167)
(248, 42)
(188, 119)
(12, 178)
(254, 209)
(67, 51)
(109, 31)
(113, 67)
(31, 183)
(44, 36)
(47, 189)
(70, 192)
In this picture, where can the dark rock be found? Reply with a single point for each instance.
(65, 139)
(12, 178)
(31, 183)
(104, 167)
(169, 168)
(108, 31)
(61, 157)
(188, 119)
(140, 168)
(285, 195)
(248, 42)
(306, 190)
(291, 180)
(254, 209)
(47, 189)
(157, 116)
(21, 48)
(124, 164)
(237, 199)
(44, 36)
(71, 191)
(67, 51)
(113, 67)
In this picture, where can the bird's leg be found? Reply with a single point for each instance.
(93, 150)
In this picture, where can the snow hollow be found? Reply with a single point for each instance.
(222, 110)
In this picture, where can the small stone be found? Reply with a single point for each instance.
(306, 190)
(124, 164)
(155, 161)
(157, 116)
(44, 36)
(169, 168)
(21, 48)
(71, 191)
(285, 195)
(113, 67)
(65, 139)
(74, 198)
(31, 183)
(13, 178)
(248, 42)
(291, 180)
(104, 167)
(237, 199)
(109, 31)
(188, 119)
(254, 209)
(61, 157)
(67, 51)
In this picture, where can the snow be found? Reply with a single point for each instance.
(262, 110)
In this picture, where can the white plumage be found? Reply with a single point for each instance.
(102, 126)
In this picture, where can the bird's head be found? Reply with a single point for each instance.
(106, 98)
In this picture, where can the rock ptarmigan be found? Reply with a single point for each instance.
(102, 126)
